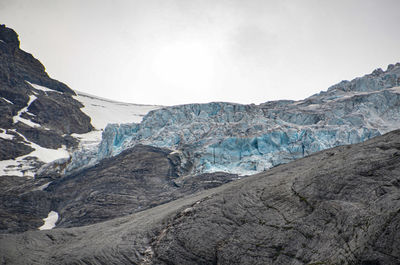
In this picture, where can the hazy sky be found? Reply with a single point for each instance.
(185, 51)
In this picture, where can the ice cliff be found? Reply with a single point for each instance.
(246, 139)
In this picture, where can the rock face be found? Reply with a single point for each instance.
(133, 181)
(23, 205)
(137, 179)
(339, 206)
(36, 111)
(246, 139)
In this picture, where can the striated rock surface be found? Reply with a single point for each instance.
(339, 206)
(133, 181)
(246, 139)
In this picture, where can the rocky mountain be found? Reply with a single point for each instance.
(42, 119)
(339, 206)
(38, 114)
(125, 183)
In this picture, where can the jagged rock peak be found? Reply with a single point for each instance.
(37, 113)
(9, 36)
(18, 66)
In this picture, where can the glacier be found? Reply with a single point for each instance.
(246, 139)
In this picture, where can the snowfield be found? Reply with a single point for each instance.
(102, 112)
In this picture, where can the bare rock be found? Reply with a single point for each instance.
(339, 206)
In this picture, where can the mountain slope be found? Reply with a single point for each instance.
(42, 119)
(339, 206)
(137, 179)
(38, 114)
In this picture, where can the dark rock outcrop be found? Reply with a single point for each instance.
(10, 149)
(53, 109)
(136, 180)
(46, 138)
(339, 206)
(18, 65)
(22, 204)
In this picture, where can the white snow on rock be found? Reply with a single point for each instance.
(104, 111)
(42, 88)
(50, 221)
(22, 166)
(6, 136)
(18, 117)
(6, 100)
(12, 168)
(46, 154)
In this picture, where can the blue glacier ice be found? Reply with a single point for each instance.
(246, 139)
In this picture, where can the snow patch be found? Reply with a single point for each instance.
(93, 137)
(6, 100)
(13, 168)
(42, 88)
(18, 117)
(6, 136)
(103, 111)
(22, 166)
(50, 221)
(46, 155)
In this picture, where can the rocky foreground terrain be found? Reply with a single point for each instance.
(339, 206)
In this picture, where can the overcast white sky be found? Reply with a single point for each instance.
(184, 51)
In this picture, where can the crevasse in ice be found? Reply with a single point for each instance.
(246, 139)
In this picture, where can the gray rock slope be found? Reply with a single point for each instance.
(135, 180)
(338, 206)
